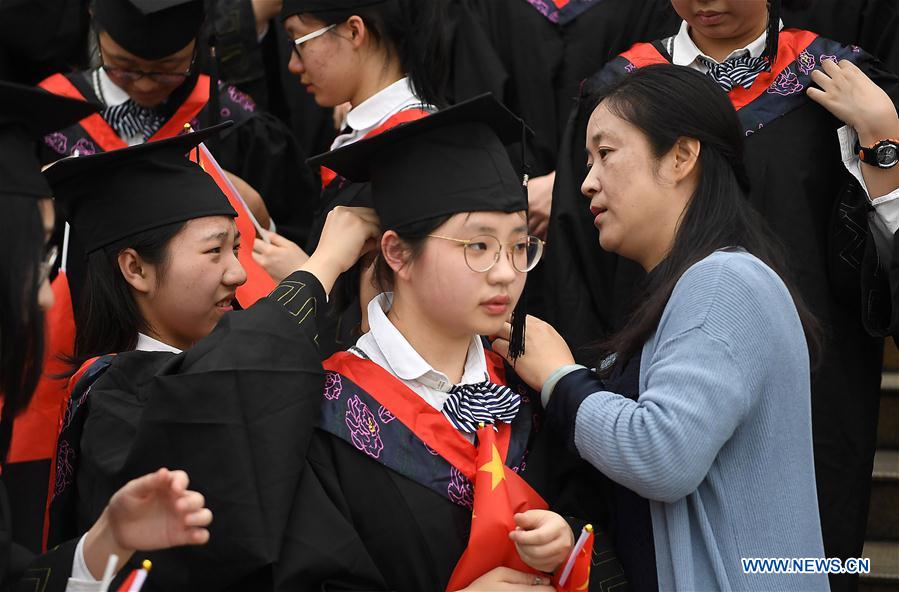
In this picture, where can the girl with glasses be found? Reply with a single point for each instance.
(410, 407)
(387, 60)
(148, 79)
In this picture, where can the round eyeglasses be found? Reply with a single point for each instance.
(297, 44)
(130, 76)
(483, 251)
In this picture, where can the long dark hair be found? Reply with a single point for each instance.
(416, 31)
(21, 319)
(108, 319)
(666, 103)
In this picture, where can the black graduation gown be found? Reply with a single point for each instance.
(258, 148)
(872, 24)
(236, 411)
(368, 524)
(539, 64)
(20, 570)
(39, 37)
(820, 213)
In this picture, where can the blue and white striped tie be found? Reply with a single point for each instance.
(741, 71)
(471, 404)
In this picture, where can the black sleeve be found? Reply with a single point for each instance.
(237, 46)
(322, 551)
(236, 412)
(21, 570)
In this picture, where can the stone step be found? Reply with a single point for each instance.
(884, 574)
(883, 516)
(888, 420)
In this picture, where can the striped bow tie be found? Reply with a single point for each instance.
(741, 71)
(130, 120)
(485, 402)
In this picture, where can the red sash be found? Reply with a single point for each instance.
(792, 42)
(106, 137)
(499, 492)
(394, 120)
(51, 482)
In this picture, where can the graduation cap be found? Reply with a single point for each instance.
(112, 195)
(292, 7)
(449, 162)
(452, 161)
(150, 29)
(26, 114)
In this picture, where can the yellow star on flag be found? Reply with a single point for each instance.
(495, 467)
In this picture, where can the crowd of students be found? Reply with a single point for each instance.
(340, 355)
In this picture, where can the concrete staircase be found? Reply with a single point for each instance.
(882, 540)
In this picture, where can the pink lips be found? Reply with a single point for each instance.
(709, 18)
(498, 305)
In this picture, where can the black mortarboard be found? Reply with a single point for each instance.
(26, 114)
(450, 162)
(292, 7)
(150, 29)
(113, 195)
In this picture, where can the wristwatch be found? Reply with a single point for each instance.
(884, 154)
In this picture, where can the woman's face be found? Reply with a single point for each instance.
(723, 19)
(632, 196)
(48, 219)
(327, 66)
(457, 300)
(196, 286)
(145, 91)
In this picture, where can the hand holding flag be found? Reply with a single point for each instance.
(543, 539)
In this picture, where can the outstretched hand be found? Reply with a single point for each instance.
(544, 351)
(155, 511)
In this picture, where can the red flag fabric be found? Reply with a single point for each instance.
(129, 581)
(499, 494)
(259, 282)
(579, 578)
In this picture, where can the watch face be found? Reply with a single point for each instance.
(888, 155)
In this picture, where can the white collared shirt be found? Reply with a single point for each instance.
(147, 343)
(112, 95)
(377, 109)
(385, 346)
(684, 52)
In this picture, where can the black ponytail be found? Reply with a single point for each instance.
(416, 31)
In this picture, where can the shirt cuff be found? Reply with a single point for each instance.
(554, 378)
(80, 573)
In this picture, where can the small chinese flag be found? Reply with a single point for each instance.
(135, 580)
(499, 494)
(575, 576)
(259, 282)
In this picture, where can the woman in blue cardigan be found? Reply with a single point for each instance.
(702, 402)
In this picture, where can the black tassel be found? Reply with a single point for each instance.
(520, 313)
(773, 32)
